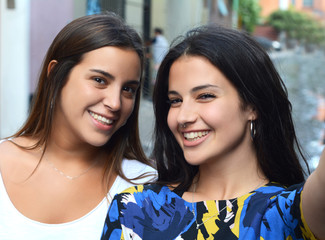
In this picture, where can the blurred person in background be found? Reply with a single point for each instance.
(159, 46)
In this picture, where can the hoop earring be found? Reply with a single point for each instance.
(253, 129)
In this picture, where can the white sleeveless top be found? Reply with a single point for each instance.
(14, 225)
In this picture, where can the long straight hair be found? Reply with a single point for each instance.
(72, 42)
(248, 67)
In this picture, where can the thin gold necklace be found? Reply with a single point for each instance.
(198, 225)
(66, 175)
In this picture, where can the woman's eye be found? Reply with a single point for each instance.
(206, 96)
(174, 102)
(99, 80)
(129, 90)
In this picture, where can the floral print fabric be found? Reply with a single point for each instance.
(154, 212)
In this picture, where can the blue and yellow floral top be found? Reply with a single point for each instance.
(154, 212)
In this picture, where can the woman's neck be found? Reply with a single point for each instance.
(228, 178)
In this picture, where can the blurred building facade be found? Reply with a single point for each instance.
(27, 28)
(14, 64)
(313, 7)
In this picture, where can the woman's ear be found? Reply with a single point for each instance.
(252, 113)
(50, 66)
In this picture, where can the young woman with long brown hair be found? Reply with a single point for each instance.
(228, 159)
(80, 144)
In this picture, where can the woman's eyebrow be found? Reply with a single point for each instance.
(134, 82)
(172, 92)
(106, 74)
(195, 89)
(198, 88)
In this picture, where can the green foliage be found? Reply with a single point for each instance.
(313, 32)
(297, 26)
(249, 14)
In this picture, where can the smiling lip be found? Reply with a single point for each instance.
(194, 138)
(100, 121)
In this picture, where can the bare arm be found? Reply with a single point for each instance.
(313, 200)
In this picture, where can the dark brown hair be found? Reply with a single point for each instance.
(251, 71)
(72, 42)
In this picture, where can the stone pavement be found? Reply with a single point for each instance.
(146, 125)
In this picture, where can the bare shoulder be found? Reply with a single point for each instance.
(313, 199)
(14, 159)
(7, 149)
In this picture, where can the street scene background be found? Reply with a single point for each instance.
(304, 75)
(291, 31)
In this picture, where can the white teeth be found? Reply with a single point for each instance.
(192, 136)
(101, 118)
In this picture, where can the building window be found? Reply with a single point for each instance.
(308, 3)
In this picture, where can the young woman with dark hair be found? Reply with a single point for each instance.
(225, 149)
(80, 144)
(251, 72)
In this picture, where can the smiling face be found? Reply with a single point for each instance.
(99, 96)
(202, 98)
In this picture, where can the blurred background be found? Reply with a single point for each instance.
(292, 31)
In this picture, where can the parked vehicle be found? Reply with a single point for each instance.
(267, 44)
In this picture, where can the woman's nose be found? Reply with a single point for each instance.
(187, 114)
(112, 99)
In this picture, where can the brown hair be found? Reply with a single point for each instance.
(72, 42)
(248, 67)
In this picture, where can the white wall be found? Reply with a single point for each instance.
(176, 17)
(159, 12)
(80, 8)
(284, 4)
(14, 70)
(134, 14)
(47, 18)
